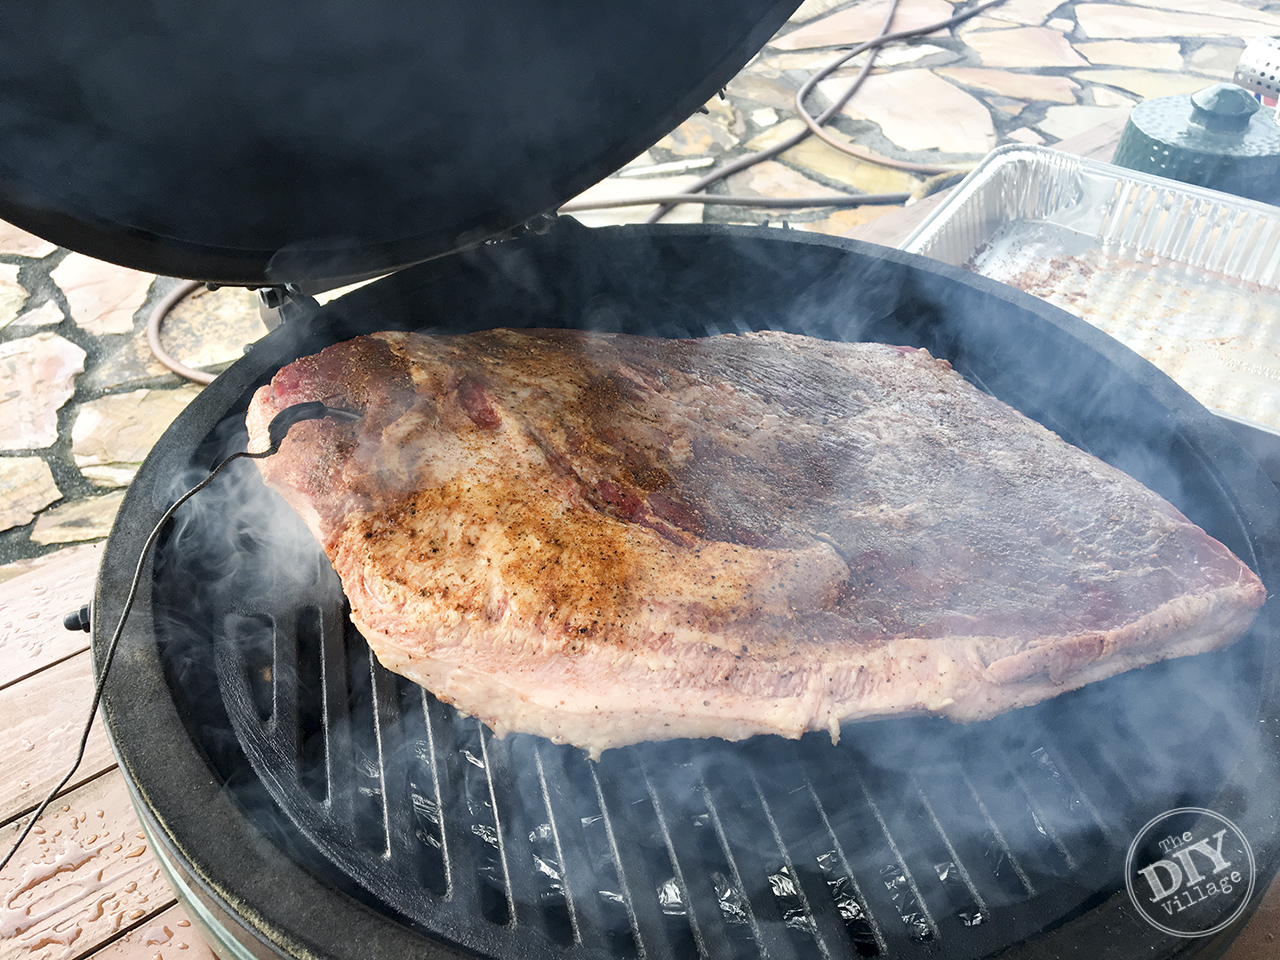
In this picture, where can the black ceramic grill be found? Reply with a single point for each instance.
(309, 803)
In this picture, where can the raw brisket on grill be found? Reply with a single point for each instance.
(605, 539)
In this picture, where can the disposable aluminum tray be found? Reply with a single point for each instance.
(1188, 278)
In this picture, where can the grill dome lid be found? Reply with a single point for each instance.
(267, 142)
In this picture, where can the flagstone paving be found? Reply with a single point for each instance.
(26, 487)
(13, 296)
(103, 299)
(1126, 53)
(860, 22)
(1020, 86)
(82, 398)
(37, 376)
(112, 435)
(942, 113)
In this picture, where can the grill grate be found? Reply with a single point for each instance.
(909, 839)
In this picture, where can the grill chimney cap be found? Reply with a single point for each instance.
(1215, 138)
(1223, 108)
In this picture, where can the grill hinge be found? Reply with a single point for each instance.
(284, 302)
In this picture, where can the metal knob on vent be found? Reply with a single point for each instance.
(1217, 138)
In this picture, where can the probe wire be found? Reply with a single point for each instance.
(114, 642)
(815, 123)
(156, 320)
(276, 432)
(751, 159)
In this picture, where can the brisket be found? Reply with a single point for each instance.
(604, 539)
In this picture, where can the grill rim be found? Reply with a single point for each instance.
(274, 898)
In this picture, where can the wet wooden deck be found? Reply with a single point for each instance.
(85, 883)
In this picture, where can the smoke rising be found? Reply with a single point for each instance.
(892, 839)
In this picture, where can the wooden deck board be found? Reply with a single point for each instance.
(44, 719)
(165, 936)
(32, 606)
(85, 874)
(85, 880)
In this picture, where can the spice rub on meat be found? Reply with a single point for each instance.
(605, 539)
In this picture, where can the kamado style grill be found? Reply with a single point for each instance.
(306, 802)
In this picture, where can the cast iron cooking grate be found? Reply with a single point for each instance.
(910, 838)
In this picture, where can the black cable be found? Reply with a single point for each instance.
(276, 432)
(815, 123)
(751, 159)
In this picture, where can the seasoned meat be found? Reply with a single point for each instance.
(605, 539)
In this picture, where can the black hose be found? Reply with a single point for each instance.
(153, 334)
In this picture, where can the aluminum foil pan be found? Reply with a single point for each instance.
(1189, 278)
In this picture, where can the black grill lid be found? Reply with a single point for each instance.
(263, 141)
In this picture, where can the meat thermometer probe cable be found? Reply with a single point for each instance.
(276, 432)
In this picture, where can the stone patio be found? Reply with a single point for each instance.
(82, 399)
